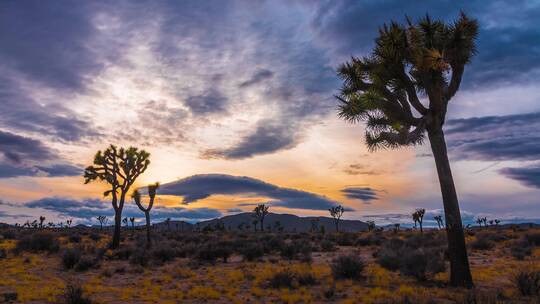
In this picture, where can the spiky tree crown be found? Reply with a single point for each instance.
(408, 61)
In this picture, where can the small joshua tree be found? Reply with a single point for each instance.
(50, 224)
(336, 212)
(254, 222)
(497, 222)
(396, 228)
(491, 222)
(314, 225)
(260, 213)
(479, 221)
(69, 222)
(168, 223)
(125, 221)
(370, 225)
(35, 224)
(439, 220)
(119, 168)
(484, 220)
(41, 220)
(137, 198)
(102, 220)
(132, 220)
(418, 216)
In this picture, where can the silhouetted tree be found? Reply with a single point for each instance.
(370, 225)
(125, 221)
(314, 225)
(168, 223)
(418, 216)
(137, 198)
(497, 222)
(336, 212)
(396, 227)
(439, 220)
(69, 222)
(119, 168)
(102, 220)
(260, 213)
(41, 220)
(254, 223)
(427, 57)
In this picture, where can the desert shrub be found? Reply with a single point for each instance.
(73, 294)
(186, 250)
(347, 267)
(273, 243)
(297, 249)
(528, 282)
(139, 257)
(74, 238)
(533, 238)
(411, 259)
(306, 279)
(38, 241)
(482, 244)
(85, 262)
(520, 250)
(345, 239)
(421, 262)
(122, 253)
(493, 237)
(10, 234)
(210, 252)
(94, 236)
(252, 251)
(328, 246)
(369, 240)
(282, 279)
(164, 253)
(3, 253)
(70, 257)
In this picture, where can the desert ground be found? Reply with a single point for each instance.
(75, 266)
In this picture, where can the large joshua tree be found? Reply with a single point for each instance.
(137, 198)
(402, 90)
(119, 168)
(260, 213)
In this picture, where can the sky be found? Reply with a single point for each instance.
(234, 101)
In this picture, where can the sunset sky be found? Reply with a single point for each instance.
(234, 101)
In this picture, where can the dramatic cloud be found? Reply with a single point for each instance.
(23, 156)
(212, 102)
(528, 176)
(89, 209)
(365, 194)
(202, 186)
(268, 137)
(259, 76)
(495, 138)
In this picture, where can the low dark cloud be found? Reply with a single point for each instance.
(528, 176)
(268, 137)
(88, 209)
(365, 194)
(208, 103)
(495, 138)
(202, 186)
(258, 77)
(23, 156)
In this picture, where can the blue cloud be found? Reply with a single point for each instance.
(528, 176)
(202, 186)
(365, 194)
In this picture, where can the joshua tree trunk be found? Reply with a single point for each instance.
(460, 274)
(148, 238)
(117, 225)
(262, 225)
(337, 225)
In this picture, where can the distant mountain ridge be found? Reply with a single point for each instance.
(288, 222)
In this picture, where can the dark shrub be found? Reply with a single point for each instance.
(328, 246)
(345, 239)
(282, 279)
(369, 240)
(528, 282)
(347, 267)
(420, 263)
(9, 234)
(186, 250)
(389, 256)
(122, 253)
(533, 238)
(74, 294)
(492, 237)
(297, 249)
(75, 238)
(306, 279)
(482, 244)
(210, 252)
(71, 257)
(520, 250)
(139, 257)
(95, 236)
(164, 253)
(38, 241)
(86, 262)
(252, 251)
(3, 253)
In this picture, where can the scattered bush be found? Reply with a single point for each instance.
(328, 246)
(482, 244)
(306, 279)
(164, 253)
(252, 251)
(282, 279)
(533, 238)
(71, 257)
(139, 257)
(94, 236)
(38, 241)
(520, 250)
(85, 262)
(210, 252)
(9, 234)
(297, 249)
(74, 238)
(74, 294)
(347, 267)
(528, 282)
